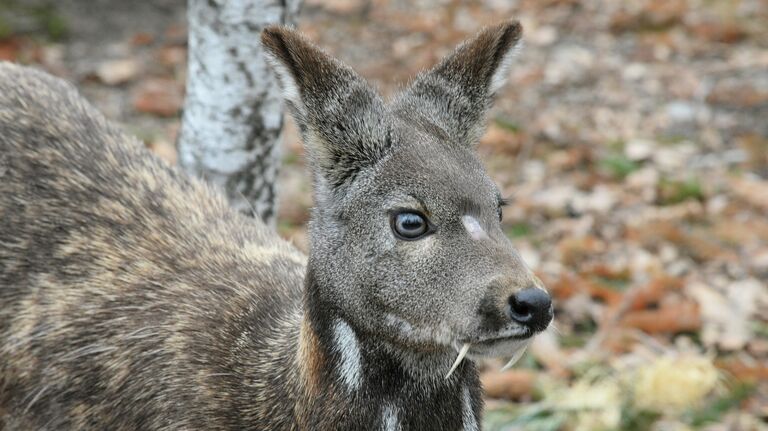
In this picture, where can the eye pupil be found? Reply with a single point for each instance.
(410, 225)
(410, 222)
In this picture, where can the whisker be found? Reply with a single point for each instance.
(554, 327)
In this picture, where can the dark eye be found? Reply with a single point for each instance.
(409, 225)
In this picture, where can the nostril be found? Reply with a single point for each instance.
(531, 306)
(521, 311)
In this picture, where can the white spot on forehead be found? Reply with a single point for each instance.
(469, 421)
(389, 421)
(472, 226)
(347, 346)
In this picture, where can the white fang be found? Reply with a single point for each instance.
(469, 421)
(462, 354)
(348, 348)
(389, 421)
(473, 227)
(516, 357)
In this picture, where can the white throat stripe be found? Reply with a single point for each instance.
(468, 414)
(389, 420)
(349, 349)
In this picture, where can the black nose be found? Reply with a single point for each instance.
(531, 307)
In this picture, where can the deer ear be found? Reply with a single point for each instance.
(301, 68)
(456, 94)
(344, 122)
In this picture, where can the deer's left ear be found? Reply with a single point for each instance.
(456, 94)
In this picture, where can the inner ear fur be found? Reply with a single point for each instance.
(457, 93)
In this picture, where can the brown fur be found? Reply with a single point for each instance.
(122, 281)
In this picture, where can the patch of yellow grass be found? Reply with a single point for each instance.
(674, 383)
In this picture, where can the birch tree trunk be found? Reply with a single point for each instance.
(233, 112)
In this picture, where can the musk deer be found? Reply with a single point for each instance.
(132, 297)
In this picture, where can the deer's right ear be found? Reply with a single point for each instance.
(344, 123)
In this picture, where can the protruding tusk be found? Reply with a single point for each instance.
(462, 354)
(516, 357)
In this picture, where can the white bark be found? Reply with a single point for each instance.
(233, 112)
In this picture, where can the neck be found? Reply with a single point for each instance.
(352, 379)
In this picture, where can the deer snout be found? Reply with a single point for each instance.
(531, 307)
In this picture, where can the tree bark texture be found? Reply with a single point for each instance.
(233, 113)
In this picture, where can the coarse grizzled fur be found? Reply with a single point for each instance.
(132, 297)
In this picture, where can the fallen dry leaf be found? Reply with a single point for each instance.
(158, 96)
(116, 72)
(9, 49)
(142, 39)
(164, 149)
(515, 384)
(751, 371)
(668, 319)
(751, 190)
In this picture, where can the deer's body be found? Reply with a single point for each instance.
(133, 297)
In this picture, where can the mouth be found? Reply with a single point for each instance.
(513, 346)
(506, 343)
(523, 334)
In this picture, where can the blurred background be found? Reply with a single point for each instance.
(632, 142)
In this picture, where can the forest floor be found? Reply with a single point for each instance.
(632, 142)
